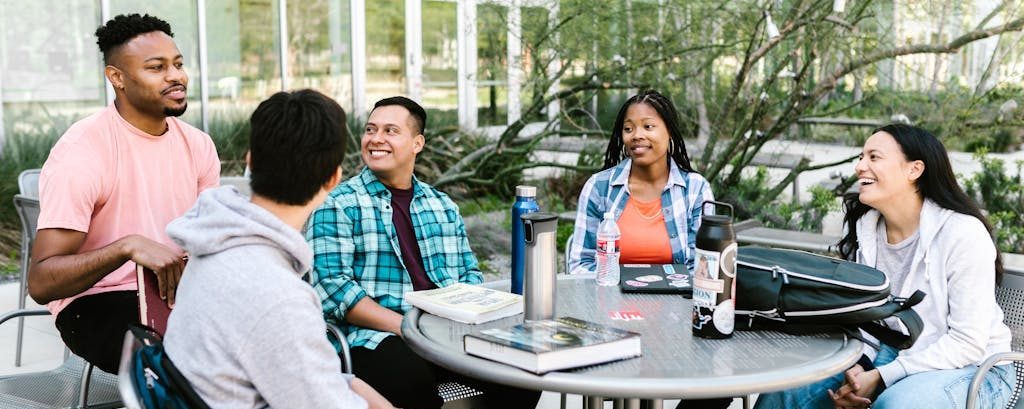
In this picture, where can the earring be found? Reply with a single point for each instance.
(625, 153)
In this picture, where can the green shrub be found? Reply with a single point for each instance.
(779, 213)
(963, 121)
(1002, 196)
(26, 147)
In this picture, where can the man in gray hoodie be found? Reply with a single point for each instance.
(246, 330)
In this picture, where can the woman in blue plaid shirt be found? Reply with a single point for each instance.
(653, 190)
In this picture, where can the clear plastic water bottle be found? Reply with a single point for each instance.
(526, 202)
(608, 235)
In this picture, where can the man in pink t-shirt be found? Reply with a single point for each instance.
(111, 185)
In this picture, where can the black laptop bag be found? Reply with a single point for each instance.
(794, 290)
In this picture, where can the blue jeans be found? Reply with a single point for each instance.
(932, 389)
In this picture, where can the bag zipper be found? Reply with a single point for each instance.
(849, 308)
(150, 377)
(772, 314)
(778, 270)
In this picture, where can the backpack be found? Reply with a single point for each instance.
(156, 380)
(793, 290)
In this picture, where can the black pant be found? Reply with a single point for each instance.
(409, 381)
(93, 326)
(718, 403)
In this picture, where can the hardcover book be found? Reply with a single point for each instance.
(467, 303)
(153, 311)
(551, 345)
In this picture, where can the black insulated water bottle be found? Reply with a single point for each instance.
(714, 274)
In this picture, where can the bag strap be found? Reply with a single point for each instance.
(907, 316)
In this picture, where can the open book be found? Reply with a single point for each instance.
(467, 303)
(153, 311)
(550, 345)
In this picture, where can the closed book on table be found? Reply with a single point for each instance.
(551, 345)
(470, 304)
(153, 310)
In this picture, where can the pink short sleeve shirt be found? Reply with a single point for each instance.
(108, 179)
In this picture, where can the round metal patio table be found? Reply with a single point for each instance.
(674, 363)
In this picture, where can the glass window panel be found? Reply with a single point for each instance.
(440, 59)
(181, 15)
(242, 40)
(492, 64)
(50, 66)
(385, 49)
(534, 25)
(319, 54)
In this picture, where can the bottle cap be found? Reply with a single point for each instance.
(526, 191)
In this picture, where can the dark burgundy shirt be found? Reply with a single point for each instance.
(400, 200)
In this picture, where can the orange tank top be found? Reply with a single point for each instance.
(644, 235)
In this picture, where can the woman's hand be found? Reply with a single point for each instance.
(859, 386)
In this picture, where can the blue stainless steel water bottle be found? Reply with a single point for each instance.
(526, 202)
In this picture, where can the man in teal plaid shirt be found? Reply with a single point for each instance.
(380, 234)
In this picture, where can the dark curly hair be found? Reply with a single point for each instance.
(124, 27)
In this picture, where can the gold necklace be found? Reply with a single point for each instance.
(653, 216)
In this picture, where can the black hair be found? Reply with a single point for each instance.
(937, 183)
(419, 114)
(677, 148)
(297, 143)
(122, 28)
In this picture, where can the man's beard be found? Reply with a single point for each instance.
(176, 112)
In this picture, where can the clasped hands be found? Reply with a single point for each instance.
(857, 390)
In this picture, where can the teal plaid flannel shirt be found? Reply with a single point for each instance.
(356, 251)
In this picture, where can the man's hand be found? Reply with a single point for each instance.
(58, 270)
(858, 387)
(368, 314)
(373, 399)
(167, 264)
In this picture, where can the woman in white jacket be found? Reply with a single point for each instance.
(912, 221)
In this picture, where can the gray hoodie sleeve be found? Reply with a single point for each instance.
(290, 361)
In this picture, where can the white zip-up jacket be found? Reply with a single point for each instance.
(954, 263)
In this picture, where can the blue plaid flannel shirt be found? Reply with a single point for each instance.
(609, 189)
(356, 251)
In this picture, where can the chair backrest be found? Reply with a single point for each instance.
(28, 212)
(129, 395)
(1010, 296)
(568, 248)
(148, 379)
(239, 182)
(28, 183)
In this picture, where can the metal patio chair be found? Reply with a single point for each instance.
(239, 182)
(1010, 296)
(73, 385)
(454, 394)
(28, 211)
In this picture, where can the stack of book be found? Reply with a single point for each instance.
(551, 345)
(466, 303)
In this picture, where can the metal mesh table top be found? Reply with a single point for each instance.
(674, 363)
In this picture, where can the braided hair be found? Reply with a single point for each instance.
(616, 152)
